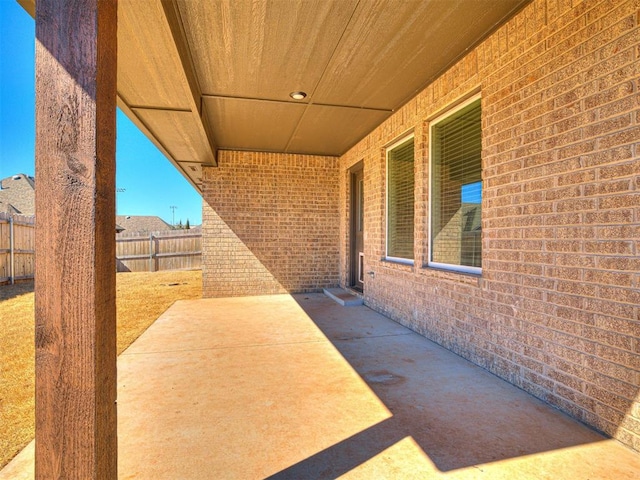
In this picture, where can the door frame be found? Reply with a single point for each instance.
(356, 219)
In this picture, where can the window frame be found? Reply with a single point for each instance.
(387, 257)
(430, 263)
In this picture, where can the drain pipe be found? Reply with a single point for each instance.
(12, 265)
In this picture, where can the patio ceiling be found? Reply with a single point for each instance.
(197, 76)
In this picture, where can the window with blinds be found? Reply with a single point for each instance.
(400, 200)
(456, 189)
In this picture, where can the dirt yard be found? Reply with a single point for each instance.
(141, 298)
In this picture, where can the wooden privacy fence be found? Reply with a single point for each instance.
(170, 250)
(17, 247)
(135, 252)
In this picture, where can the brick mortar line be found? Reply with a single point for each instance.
(518, 228)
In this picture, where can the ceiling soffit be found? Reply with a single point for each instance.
(358, 61)
(247, 124)
(392, 49)
(331, 130)
(263, 49)
(147, 59)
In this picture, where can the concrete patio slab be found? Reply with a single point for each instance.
(298, 387)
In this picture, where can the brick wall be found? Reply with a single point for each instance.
(270, 224)
(556, 309)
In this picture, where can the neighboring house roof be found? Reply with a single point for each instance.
(17, 195)
(141, 223)
(473, 219)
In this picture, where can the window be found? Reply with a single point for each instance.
(456, 189)
(400, 201)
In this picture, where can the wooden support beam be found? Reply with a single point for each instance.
(75, 244)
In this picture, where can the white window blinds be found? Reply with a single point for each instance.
(456, 188)
(400, 201)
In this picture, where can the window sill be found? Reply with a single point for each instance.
(398, 261)
(447, 267)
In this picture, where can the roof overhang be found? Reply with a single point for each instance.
(198, 76)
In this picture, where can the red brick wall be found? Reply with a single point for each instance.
(556, 309)
(270, 224)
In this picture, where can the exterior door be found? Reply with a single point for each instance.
(357, 229)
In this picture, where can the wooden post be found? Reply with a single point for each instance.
(12, 251)
(75, 247)
(151, 247)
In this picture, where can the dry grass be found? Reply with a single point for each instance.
(141, 298)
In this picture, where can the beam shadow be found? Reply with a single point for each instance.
(346, 455)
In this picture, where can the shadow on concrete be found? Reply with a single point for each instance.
(459, 414)
(346, 455)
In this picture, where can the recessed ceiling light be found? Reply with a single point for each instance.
(298, 95)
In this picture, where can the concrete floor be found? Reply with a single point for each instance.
(252, 388)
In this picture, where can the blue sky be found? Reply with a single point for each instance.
(151, 183)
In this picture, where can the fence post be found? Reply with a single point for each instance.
(12, 260)
(151, 252)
